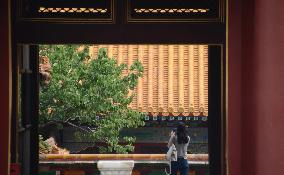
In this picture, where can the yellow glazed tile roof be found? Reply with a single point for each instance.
(175, 78)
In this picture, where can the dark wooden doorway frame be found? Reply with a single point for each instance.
(120, 32)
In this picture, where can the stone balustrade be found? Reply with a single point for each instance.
(109, 164)
(115, 167)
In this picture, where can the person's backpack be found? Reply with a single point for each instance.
(171, 156)
(172, 153)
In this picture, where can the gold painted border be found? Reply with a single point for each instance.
(226, 167)
(223, 113)
(220, 17)
(110, 20)
(10, 73)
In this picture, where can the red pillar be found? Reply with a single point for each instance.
(263, 87)
(234, 87)
(5, 74)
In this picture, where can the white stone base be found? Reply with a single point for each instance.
(116, 167)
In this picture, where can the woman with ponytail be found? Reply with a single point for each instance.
(181, 140)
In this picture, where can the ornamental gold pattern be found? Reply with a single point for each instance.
(169, 11)
(175, 77)
(70, 10)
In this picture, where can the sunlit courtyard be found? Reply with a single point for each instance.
(121, 102)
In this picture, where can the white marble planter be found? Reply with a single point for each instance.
(116, 167)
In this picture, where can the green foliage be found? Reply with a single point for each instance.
(81, 89)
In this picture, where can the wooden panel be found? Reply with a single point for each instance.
(70, 11)
(175, 11)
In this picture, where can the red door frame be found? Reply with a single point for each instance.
(234, 64)
(5, 88)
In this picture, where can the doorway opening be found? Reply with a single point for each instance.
(176, 85)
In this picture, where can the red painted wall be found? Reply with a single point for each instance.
(4, 88)
(263, 87)
(255, 111)
(234, 87)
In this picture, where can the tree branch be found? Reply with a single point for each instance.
(68, 123)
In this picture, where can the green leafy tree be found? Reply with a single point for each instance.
(82, 89)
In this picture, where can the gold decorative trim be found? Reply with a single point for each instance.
(71, 10)
(219, 18)
(10, 75)
(224, 103)
(110, 11)
(171, 11)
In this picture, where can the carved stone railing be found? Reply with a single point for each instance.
(115, 167)
(112, 164)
